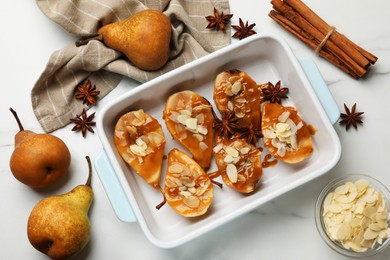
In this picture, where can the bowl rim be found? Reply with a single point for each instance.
(318, 209)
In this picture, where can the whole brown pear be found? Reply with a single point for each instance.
(58, 226)
(144, 38)
(38, 159)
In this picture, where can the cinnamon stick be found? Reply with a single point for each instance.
(308, 40)
(340, 40)
(302, 22)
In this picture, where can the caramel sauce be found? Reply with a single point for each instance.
(312, 129)
(267, 162)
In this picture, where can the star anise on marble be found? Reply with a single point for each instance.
(227, 126)
(351, 117)
(243, 30)
(218, 21)
(251, 134)
(83, 123)
(87, 93)
(274, 94)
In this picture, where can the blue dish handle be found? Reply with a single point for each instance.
(114, 189)
(321, 89)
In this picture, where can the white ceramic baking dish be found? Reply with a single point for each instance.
(265, 57)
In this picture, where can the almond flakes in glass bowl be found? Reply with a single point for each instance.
(352, 215)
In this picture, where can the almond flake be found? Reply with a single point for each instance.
(283, 117)
(202, 129)
(191, 123)
(203, 146)
(173, 116)
(230, 106)
(198, 137)
(182, 119)
(176, 168)
(240, 114)
(188, 182)
(169, 183)
(200, 118)
(192, 190)
(269, 134)
(282, 127)
(228, 158)
(233, 79)
(231, 172)
(141, 143)
(236, 87)
(241, 100)
(131, 129)
(361, 185)
(370, 234)
(245, 150)
(356, 216)
(185, 193)
(231, 151)
(136, 150)
(191, 201)
(155, 139)
(185, 112)
(343, 189)
(218, 148)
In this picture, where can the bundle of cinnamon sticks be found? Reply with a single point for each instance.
(301, 21)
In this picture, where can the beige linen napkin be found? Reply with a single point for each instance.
(53, 94)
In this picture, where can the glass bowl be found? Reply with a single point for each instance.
(319, 218)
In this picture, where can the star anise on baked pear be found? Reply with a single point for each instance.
(227, 126)
(251, 134)
(274, 94)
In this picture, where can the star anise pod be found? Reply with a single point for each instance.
(87, 93)
(218, 21)
(251, 134)
(274, 94)
(83, 123)
(227, 126)
(351, 117)
(243, 30)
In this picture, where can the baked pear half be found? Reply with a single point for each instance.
(140, 141)
(187, 187)
(189, 119)
(285, 134)
(239, 163)
(235, 90)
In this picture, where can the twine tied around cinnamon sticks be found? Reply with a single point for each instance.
(325, 40)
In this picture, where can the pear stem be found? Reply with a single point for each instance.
(21, 128)
(164, 201)
(88, 183)
(85, 40)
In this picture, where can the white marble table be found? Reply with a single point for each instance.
(281, 229)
